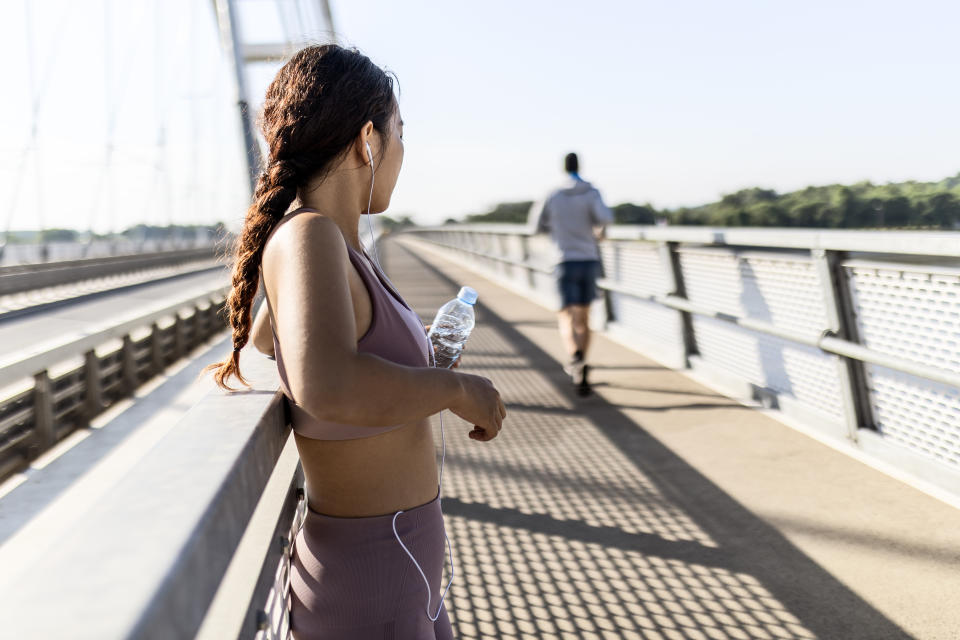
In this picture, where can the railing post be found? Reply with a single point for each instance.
(93, 386)
(525, 258)
(607, 296)
(43, 410)
(179, 346)
(670, 259)
(841, 322)
(128, 368)
(211, 314)
(156, 349)
(199, 325)
(190, 326)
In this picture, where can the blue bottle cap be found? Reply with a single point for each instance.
(467, 295)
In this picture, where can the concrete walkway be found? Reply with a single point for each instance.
(659, 509)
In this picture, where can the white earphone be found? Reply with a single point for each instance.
(373, 242)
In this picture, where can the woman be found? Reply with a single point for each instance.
(353, 358)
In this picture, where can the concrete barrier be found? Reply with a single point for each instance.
(16, 279)
(194, 541)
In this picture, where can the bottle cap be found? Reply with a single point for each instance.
(467, 295)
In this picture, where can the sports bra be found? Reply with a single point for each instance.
(396, 333)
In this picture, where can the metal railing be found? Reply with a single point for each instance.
(857, 333)
(101, 367)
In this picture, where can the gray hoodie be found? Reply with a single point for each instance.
(569, 215)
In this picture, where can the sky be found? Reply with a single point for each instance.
(673, 104)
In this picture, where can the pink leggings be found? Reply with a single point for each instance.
(351, 580)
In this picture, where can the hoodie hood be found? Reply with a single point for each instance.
(574, 187)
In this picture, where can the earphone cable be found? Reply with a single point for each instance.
(373, 240)
(443, 456)
(443, 444)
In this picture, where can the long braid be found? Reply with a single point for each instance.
(313, 111)
(276, 189)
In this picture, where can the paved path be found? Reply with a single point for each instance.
(659, 509)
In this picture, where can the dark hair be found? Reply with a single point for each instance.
(314, 108)
(570, 163)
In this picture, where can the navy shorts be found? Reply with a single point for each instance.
(578, 281)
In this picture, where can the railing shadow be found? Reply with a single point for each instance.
(770, 350)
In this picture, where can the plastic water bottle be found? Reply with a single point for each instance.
(452, 327)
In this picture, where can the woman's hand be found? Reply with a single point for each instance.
(479, 403)
(456, 363)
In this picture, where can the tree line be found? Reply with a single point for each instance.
(903, 205)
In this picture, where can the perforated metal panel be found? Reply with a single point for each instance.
(804, 373)
(912, 311)
(920, 415)
(513, 247)
(650, 322)
(636, 266)
(781, 289)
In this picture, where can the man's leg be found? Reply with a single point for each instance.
(565, 322)
(580, 327)
(579, 317)
(571, 343)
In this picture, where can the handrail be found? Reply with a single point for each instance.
(824, 339)
(934, 243)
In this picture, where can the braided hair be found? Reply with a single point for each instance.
(314, 109)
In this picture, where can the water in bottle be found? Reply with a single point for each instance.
(452, 327)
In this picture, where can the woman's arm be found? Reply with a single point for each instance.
(261, 334)
(306, 269)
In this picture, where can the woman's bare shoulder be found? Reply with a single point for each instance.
(306, 240)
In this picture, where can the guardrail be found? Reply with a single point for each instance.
(16, 279)
(856, 333)
(62, 384)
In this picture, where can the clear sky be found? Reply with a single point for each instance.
(669, 103)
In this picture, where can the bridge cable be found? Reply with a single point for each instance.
(113, 101)
(37, 91)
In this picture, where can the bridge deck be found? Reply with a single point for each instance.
(72, 309)
(659, 509)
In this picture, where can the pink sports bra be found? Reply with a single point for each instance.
(396, 334)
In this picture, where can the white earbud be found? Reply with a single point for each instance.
(373, 175)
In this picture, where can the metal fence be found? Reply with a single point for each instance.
(856, 334)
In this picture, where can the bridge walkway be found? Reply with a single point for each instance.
(657, 508)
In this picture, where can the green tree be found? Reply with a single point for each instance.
(507, 212)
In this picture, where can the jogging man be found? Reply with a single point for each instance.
(575, 216)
